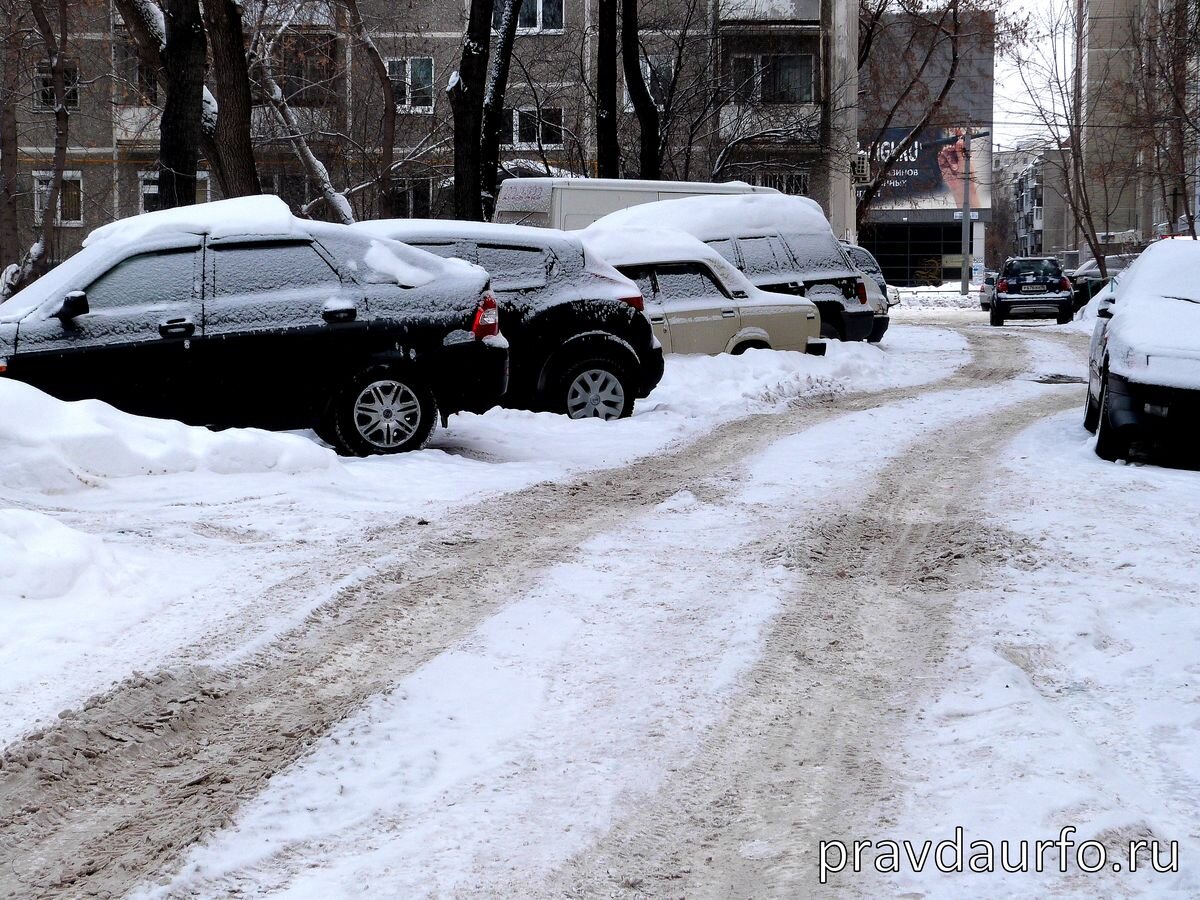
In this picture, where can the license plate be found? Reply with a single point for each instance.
(1033, 289)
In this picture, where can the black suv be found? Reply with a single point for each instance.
(1033, 286)
(225, 316)
(581, 343)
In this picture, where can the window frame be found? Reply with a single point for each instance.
(405, 104)
(539, 28)
(541, 144)
(46, 177)
(145, 189)
(756, 83)
(43, 80)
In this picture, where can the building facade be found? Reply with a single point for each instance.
(761, 94)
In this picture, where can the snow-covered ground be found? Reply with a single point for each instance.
(1072, 698)
(125, 542)
(944, 296)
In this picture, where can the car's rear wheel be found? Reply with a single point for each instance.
(384, 409)
(1091, 413)
(1111, 444)
(596, 387)
(996, 315)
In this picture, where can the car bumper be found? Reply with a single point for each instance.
(471, 376)
(858, 324)
(1152, 410)
(652, 369)
(1033, 304)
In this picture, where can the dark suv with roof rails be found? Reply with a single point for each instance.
(1033, 287)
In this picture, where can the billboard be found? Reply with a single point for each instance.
(929, 175)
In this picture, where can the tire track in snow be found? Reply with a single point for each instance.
(118, 789)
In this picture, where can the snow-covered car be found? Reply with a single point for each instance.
(782, 244)
(580, 343)
(880, 302)
(1032, 286)
(698, 302)
(235, 313)
(1087, 281)
(1144, 362)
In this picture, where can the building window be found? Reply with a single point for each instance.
(148, 190)
(534, 15)
(44, 86)
(136, 84)
(534, 128)
(307, 67)
(791, 182)
(70, 198)
(412, 197)
(658, 70)
(412, 82)
(774, 79)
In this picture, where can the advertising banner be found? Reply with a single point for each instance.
(930, 174)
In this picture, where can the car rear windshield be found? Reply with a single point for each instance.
(1048, 268)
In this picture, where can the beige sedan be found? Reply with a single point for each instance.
(698, 303)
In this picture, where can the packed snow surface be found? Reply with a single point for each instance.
(183, 542)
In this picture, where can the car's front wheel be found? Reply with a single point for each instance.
(598, 387)
(1111, 444)
(384, 409)
(1091, 412)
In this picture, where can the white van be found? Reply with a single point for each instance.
(573, 203)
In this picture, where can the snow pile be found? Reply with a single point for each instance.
(946, 296)
(260, 214)
(42, 559)
(720, 215)
(382, 259)
(50, 446)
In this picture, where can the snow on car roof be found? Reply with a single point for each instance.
(262, 214)
(648, 246)
(450, 229)
(710, 217)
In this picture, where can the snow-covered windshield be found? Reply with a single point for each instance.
(67, 276)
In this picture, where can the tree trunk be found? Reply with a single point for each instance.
(639, 94)
(10, 85)
(493, 105)
(227, 145)
(608, 146)
(39, 255)
(466, 103)
(387, 151)
(185, 54)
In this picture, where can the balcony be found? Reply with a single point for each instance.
(136, 124)
(756, 123)
(770, 16)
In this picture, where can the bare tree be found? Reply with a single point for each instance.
(608, 147)
(227, 139)
(493, 102)
(37, 259)
(387, 131)
(639, 94)
(13, 61)
(185, 53)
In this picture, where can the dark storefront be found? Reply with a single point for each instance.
(913, 254)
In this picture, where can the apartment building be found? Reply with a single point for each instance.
(750, 89)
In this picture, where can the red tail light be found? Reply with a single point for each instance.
(636, 302)
(487, 318)
(1064, 284)
(1002, 286)
(860, 288)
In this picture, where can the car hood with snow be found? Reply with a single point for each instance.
(1154, 333)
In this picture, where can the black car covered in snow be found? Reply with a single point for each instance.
(235, 313)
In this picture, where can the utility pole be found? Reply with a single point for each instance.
(967, 137)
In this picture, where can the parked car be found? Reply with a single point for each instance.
(580, 343)
(236, 313)
(782, 245)
(699, 303)
(886, 298)
(987, 290)
(572, 203)
(1144, 362)
(1086, 280)
(1032, 286)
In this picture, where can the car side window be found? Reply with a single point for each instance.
(725, 248)
(269, 266)
(444, 250)
(643, 277)
(167, 276)
(514, 268)
(685, 281)
(759, 256)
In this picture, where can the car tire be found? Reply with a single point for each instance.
(1110, 444)
(325, 426)
(383, 410)
(749, 345)
(995, 316)
(1065, 314)
(830, 331)
(597, 386)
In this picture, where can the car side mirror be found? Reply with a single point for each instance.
(74, 304)
(739, 295)
(1104, 312)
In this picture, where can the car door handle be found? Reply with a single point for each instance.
(658, 320)
(177, 328)
(728, 313)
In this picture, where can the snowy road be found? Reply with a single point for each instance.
(669, 678)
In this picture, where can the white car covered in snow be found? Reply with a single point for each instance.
(699, 303)
(1144, 364)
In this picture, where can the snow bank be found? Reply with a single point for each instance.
(50, 446)
(946, 296)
